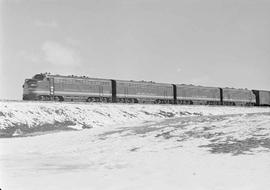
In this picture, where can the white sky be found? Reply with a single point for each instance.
(206, 42)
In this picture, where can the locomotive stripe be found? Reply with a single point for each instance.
(197, 98)
(42, 92)
(81, 93)
(142, 96)
(217, 99)
(71, 93)
(236, 100)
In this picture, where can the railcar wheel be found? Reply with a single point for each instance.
(60, 98)
(41, 98)
(55, 98)
(89, 99)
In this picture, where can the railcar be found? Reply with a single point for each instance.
(143, 92)
(262, 97)
(240, 97)
(67, 88)
(190, 94)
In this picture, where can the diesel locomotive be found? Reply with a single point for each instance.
(47, 87)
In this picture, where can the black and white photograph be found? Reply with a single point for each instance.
(135, 94)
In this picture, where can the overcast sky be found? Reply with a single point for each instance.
(222, 43)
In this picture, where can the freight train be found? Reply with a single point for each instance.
(47, 87)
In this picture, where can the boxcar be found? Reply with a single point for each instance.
(232, 96)
(262, 97)
(190, 94)
(143, 92)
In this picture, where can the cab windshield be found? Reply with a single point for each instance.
(31, 83)
(39, 77)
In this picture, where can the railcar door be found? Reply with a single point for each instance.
(126, 92)
(100, 89)
(165, 94)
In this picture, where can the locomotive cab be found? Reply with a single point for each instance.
(32, 88)
(33, 83)
(29, 87)
(30, 83)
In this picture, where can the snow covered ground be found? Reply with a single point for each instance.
(116, 146)
(20, 118)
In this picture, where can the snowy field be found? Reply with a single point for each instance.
(117, 146)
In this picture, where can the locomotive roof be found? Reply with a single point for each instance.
(191, 85)
(75, 77)
(134, 81)
(85, 77)
(143, 81)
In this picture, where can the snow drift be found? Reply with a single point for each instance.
(23, 118)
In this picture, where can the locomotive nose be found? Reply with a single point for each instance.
(29, 88)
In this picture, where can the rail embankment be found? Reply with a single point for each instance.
(19, 118)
